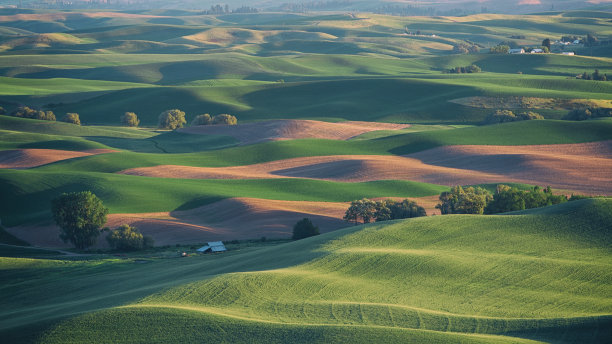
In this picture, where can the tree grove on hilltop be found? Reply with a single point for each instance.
(26, 112)
(384, 210)
(80, 216)
(471, 200)
(130, 119)
(171, 119)
(72, 117)
(225, 119)
(204, 119)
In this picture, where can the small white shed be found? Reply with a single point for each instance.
(516, 51)
(213, 246)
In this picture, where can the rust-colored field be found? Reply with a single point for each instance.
(585, 168)
(229, 219)
(27, 158)
(292, 129)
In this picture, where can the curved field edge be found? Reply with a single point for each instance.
(543, 275)
(517, 133)
(29, 192)
(183, 324)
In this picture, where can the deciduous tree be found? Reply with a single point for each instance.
(172, 119)
(80, 215)
(130, 119)
(304, 229)
(73, 118)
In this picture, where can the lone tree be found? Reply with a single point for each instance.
(130, 119)
(171, 119)
(304, 229)
(546, 43)
(80, 215)
(128, 238)
(73, 118)
(204, 119)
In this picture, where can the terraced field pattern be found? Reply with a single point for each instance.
(331, 108)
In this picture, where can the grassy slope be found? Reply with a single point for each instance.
(29, 193)
(349, 87)
(542, 275)
(523, 133)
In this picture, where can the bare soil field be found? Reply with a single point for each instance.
(292, 129)
(27, 158)
(229, 219)
(584, 168)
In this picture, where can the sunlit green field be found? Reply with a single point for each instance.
(542, 275)
(539, 275)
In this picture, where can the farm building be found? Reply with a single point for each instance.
(537, 51)
(568, 53)
(516, 51)
(213, 246)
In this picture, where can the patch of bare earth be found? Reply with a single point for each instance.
(229, 219)
(584, 168)
(27, 158)
(292, 129)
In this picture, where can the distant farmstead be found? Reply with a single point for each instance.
(568, 53)
(537, 51)
(516, 51)
(213, 247)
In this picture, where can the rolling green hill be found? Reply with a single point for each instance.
(541, 275)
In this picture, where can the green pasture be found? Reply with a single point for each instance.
(517, 133)
(537, 276)
(28, 194)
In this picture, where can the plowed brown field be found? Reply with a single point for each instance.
(27, 158)
(585, 167)
(292, 129)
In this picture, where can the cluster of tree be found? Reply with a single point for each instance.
(72, 117)
(27, 112)
(465, 48)
(499, 49)
(503, 116)
(588, 113)
(304, 229)
(171, 119)
(81, 215)
(508, 198)
(366, 210)
(595, 76)
(130, 119)
(468, 69)
(127, 238)
(477, 200)
(471, 200)
(222, 119)
(218, 9)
